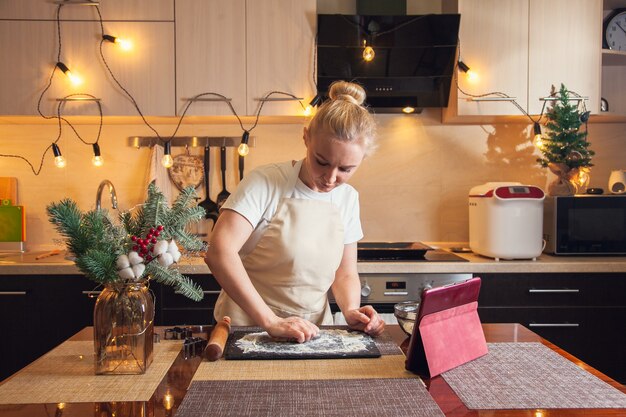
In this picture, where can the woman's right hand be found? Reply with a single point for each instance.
(292, 329)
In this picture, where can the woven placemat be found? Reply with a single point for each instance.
(390, 366)
(529, 375)
(66, 375)
(341, 398)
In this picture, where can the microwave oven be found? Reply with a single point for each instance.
(585, 225)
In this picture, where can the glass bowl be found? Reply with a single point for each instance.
(406, 312)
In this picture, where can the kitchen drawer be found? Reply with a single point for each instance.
(170, 299)
(594, 335)
(553, 290)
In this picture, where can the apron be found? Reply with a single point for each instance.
(294, 263)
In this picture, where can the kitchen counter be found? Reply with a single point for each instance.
(26, 264)
(173, 387)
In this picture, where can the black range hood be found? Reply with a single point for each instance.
(413, 63)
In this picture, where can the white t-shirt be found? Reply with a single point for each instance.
(257, 197)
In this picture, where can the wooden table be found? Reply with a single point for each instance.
(173, 387)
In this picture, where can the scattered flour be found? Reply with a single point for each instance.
(329, 341)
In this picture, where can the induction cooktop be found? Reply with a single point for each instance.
(403, 252)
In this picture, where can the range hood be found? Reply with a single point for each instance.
(413, 63)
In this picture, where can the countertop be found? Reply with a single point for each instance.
(27, 264)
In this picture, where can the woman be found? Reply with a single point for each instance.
(288, 234)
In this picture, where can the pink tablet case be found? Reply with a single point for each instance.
(447, 331)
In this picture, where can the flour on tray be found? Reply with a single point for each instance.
(329, 341)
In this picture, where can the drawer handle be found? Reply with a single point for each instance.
(12, 292)
(395, 293)
(91, 293)
(553, 325)
(555, 290)
(212, 292)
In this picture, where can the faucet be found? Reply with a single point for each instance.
(112, 193)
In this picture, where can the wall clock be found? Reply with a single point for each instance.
(614, 33)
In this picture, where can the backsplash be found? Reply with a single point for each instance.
(415, 187)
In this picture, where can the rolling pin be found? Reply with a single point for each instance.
(217, 342)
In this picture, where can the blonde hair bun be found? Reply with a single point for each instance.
(350, 92)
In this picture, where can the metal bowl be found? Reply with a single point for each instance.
(406, 312)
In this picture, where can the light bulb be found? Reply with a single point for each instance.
(408, 109)
(538, 139)
(243, 148)
(75, 79)
(124, 44)
(59, 160)
(472, 76)
(368, 53)
(97, 159)
(167, 161)
(308, 110)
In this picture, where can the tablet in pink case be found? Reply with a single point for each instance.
(447, 330)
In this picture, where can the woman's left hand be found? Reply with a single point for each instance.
(365, 319)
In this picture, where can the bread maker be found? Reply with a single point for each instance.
(506, 220)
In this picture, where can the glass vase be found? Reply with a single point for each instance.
(123, 321)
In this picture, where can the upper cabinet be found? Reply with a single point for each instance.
(614, 68)
(280, 54)
(521, 48)
(245, 50)
(146, 72)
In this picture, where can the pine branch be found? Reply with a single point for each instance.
(98, 265)
(169, 276)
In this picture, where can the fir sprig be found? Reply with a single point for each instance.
(97, 242)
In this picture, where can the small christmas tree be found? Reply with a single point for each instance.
(565, 148)
(564, 142)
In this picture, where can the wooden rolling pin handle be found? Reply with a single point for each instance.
(217, 342)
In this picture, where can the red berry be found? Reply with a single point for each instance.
(135, 247)
(153, 240)
(157, 233)
(152, 230)
(133, 238)
(149, 258)
(160, 227)
(149, 236)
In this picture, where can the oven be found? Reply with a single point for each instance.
(383, 290)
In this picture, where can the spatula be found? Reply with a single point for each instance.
(207, 204)
(223, 195)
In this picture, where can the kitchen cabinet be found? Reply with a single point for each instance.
(523, 47)
(39, 312)
(245, 50)
(581, 313)
(174, 309)
(613, 74)
(147, 71)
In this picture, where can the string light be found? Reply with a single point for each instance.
(243, 148)
(124, 44)
(408, 109)
(472, 76)
(97, 159)
(75, 79)
(538, 139)
(368, 52)
(167, 161)
(59, 160)
(313, 103)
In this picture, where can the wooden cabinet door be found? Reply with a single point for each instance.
(147, 71)
(211, 55)
(494, 43)
(565, 47)
(280, 49)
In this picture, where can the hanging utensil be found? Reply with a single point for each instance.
(186, 171)
(240, 167)
(223, 195)
(207, 204)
